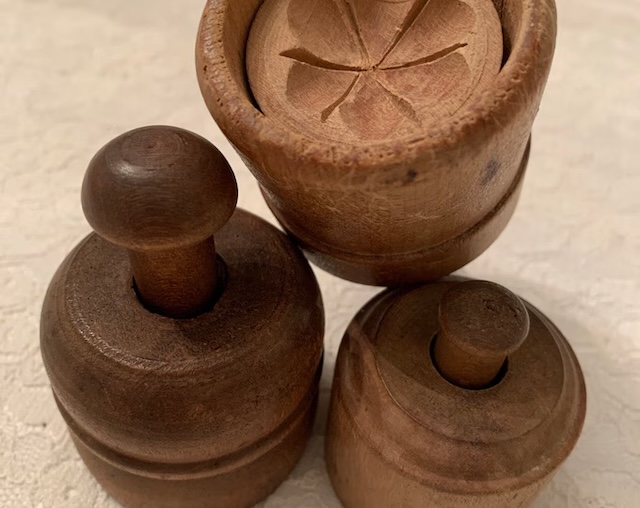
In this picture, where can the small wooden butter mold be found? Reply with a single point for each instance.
(186, 368)
(390, 138)
(455, 394)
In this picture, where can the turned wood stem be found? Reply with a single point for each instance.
(176, 282)
(463, 369)
(481, 324)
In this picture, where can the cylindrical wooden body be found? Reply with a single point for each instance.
(203, 412)
(395, 212)
(399, 434)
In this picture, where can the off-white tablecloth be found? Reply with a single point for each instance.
(74, 73)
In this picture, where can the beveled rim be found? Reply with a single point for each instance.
(215, 466)
(252, 133)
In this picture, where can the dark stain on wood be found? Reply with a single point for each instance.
(490, 172)
(411, 176)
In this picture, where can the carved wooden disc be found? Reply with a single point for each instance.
(356, 71)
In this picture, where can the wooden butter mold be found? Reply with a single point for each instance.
(390, 138)
(186, 368)
(456, 394)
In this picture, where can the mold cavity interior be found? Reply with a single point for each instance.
(239, 17)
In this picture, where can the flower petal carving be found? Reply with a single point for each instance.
(386, 37)
(323, 29)
(378, 23)
(360, 70)
(307, 87)
(428, 85)
(443, 20)
(370, 110)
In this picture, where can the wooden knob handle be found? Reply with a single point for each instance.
(481, 324)
(161, 193)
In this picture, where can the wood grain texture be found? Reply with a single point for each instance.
(361, 71)
(214, 410)
(400, 434)
(480, 325)
(83, 71)
(407, 205)
(161, 193)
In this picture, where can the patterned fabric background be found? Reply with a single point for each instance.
(75, 73)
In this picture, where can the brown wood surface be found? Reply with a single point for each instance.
(161, 193)
(400, 434)
(360, 71)
(481, 325)
(381, 190)
(213, 410)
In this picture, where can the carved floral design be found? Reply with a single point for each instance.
(376, 63)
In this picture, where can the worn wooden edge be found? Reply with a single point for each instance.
(221, 488)
(518, 86)
(342, 429)
(423, 265)
(217, 465)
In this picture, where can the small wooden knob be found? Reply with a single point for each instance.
(161, 193)
(481, 324)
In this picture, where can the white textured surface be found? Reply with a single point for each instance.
(74, 73)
